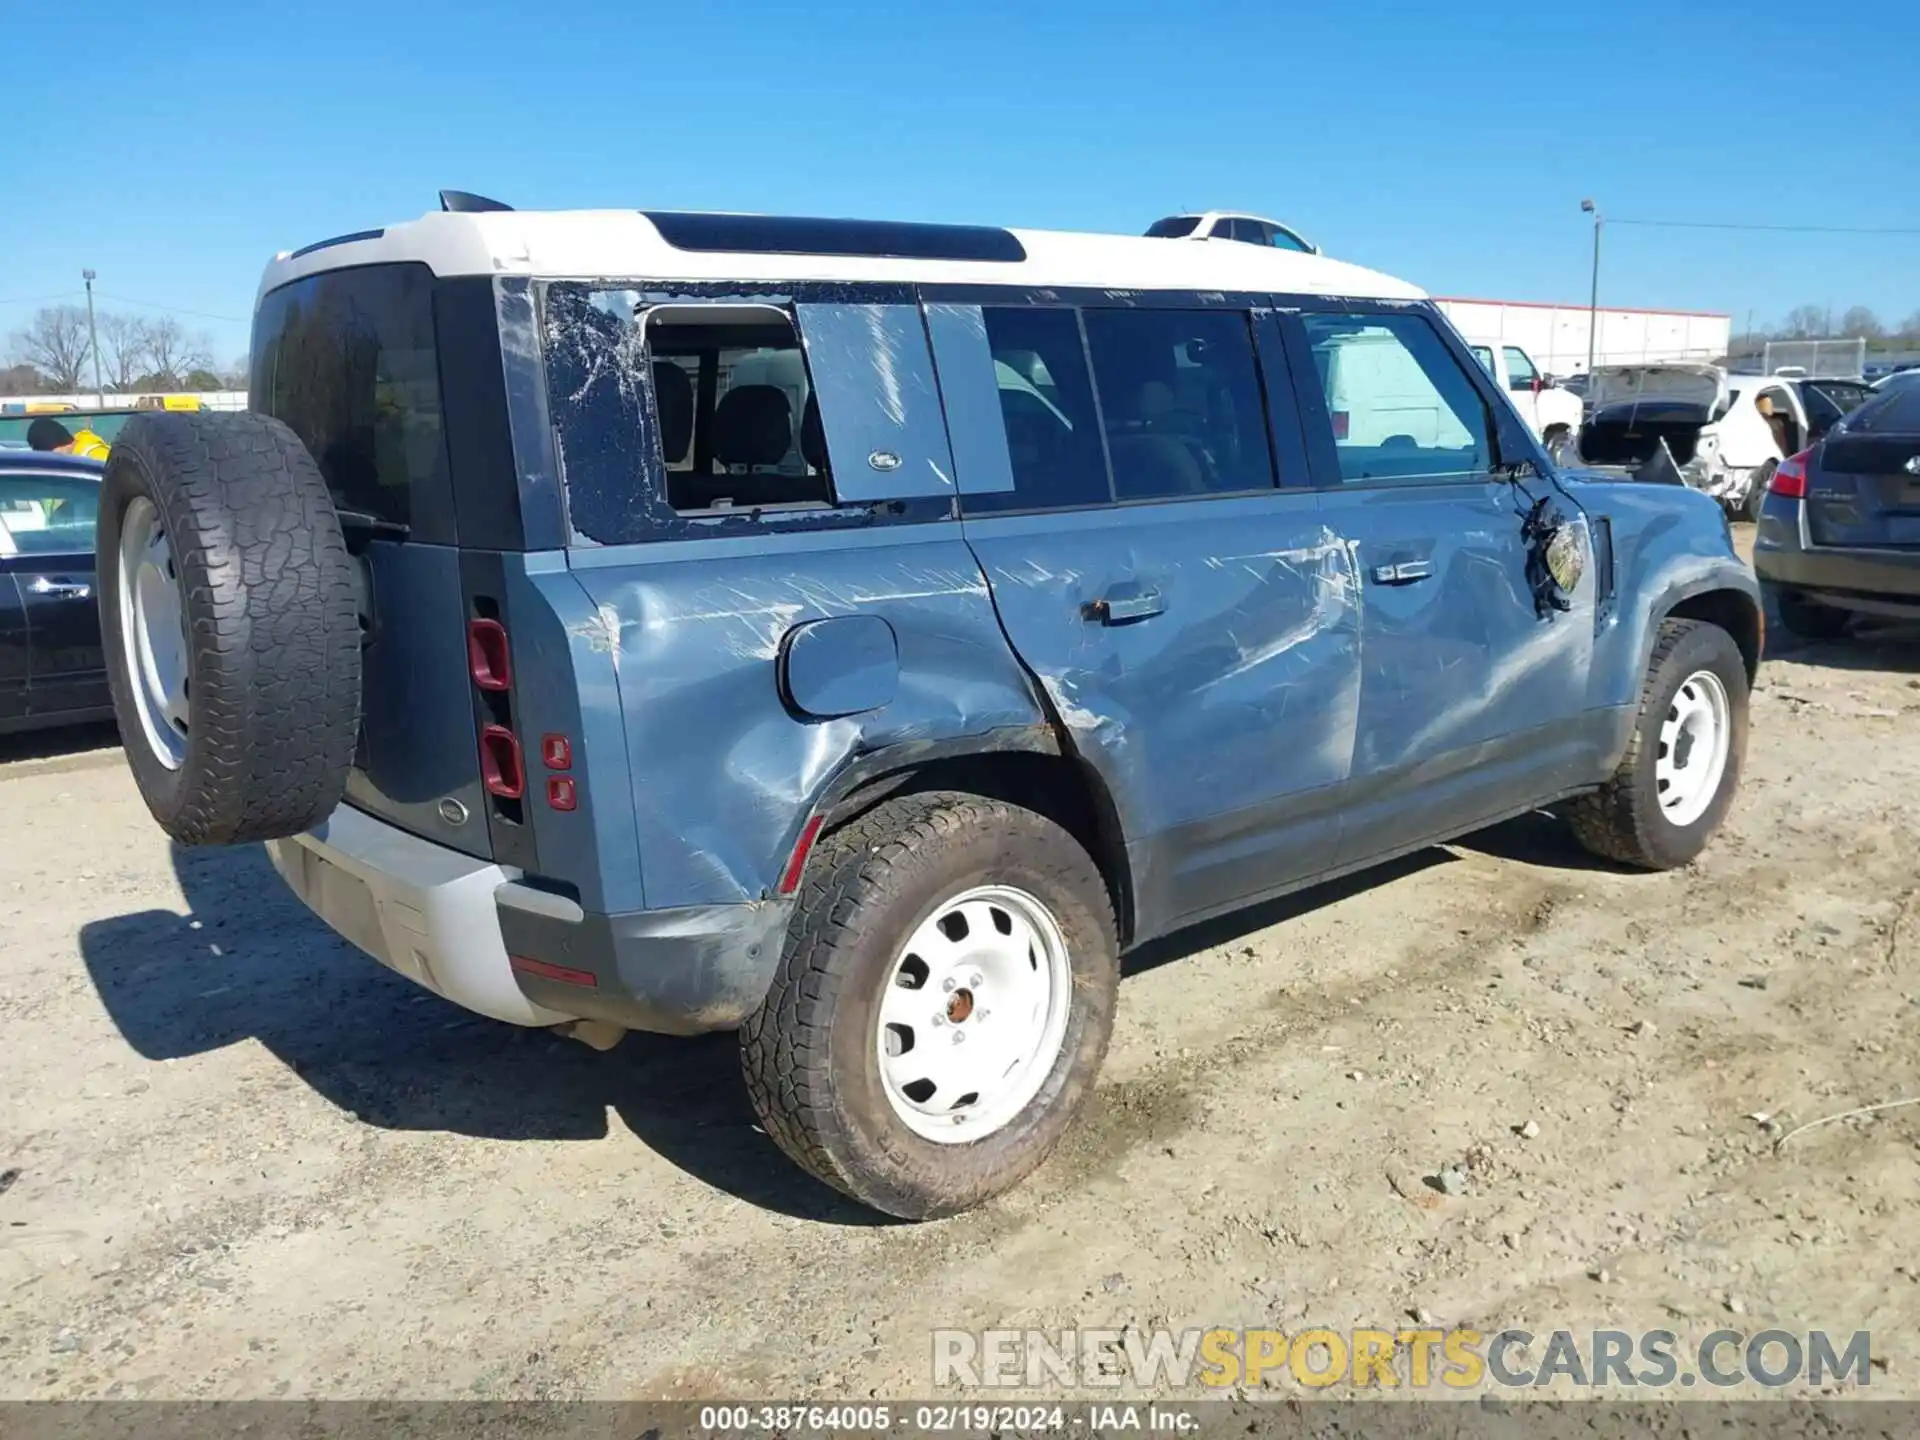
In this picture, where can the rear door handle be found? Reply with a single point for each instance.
(1407, 572)
(1118, 611)
(60, 589)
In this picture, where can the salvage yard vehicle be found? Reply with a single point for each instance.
(1551, 411)
(1727, 433)
(52, 670)
(1839, 531)
(1231, 225)
(859, 634)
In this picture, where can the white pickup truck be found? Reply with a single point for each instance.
(1553, 413)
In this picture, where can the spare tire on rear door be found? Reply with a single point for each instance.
(228, 608)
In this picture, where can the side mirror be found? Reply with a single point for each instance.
(1539, 383)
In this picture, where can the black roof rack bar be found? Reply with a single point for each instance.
(465, 202)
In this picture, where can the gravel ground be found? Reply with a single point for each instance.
(237, 1159)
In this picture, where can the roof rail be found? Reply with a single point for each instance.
(465, 202)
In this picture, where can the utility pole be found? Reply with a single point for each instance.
(93, 343)
(1587, 207)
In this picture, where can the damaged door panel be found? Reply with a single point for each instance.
(1472, 691)
(1204, 658)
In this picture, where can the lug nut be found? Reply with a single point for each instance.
(958, 1036)
(980, 1015)
(975, 981)
(938, 1020)
(948, 984)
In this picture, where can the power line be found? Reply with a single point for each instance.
(41, 299)
(1794, 229)
(170, 309)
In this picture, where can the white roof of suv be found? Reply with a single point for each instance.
(630, 245)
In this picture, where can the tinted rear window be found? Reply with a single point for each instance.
(1173, 227)
(1894, 411)
(347, 359)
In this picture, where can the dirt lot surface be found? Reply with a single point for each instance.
(252, 1163)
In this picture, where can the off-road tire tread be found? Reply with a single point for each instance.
(272, 622)
(782, 1044)
(1612, 822)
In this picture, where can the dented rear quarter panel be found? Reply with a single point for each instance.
(722, 772)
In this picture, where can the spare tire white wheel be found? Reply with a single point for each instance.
(228, 613)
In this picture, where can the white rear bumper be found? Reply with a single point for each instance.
(416, 907)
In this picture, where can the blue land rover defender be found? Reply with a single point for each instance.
(860, 634)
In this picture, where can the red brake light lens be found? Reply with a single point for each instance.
(563, 793)
(500, 767)
(1790, 480)
(1342, 421)
(557, 752)
(487, 655)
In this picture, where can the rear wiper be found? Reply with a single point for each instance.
(361, 520)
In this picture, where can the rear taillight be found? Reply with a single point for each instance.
(487, 655)
(1790, 479)
(503, 769)
(500, 765)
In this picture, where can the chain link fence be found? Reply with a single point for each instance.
(1829, 359)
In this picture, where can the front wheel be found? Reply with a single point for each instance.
(942, 1006)
(1559, 445)
(1682, 766)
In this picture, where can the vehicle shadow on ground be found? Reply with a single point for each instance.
(248, 962)
(1237, 925)
(83, 742)
(1888, 646)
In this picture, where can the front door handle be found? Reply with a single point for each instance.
(1407, 572)
(60, 589)
(1119, 610)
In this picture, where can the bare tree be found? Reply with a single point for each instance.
(171, 352)
(1861, 321)
(124, 342)
(1805, 322)
(56, 345)
(1910, 327)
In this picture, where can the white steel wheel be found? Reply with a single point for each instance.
(153, 622)
(974, 1014)
(1695, 738)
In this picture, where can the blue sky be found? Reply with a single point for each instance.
(184, 144)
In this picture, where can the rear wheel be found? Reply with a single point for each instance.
(1682, 766)
(1809, 619)
(229, 617)
(942, 1005)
